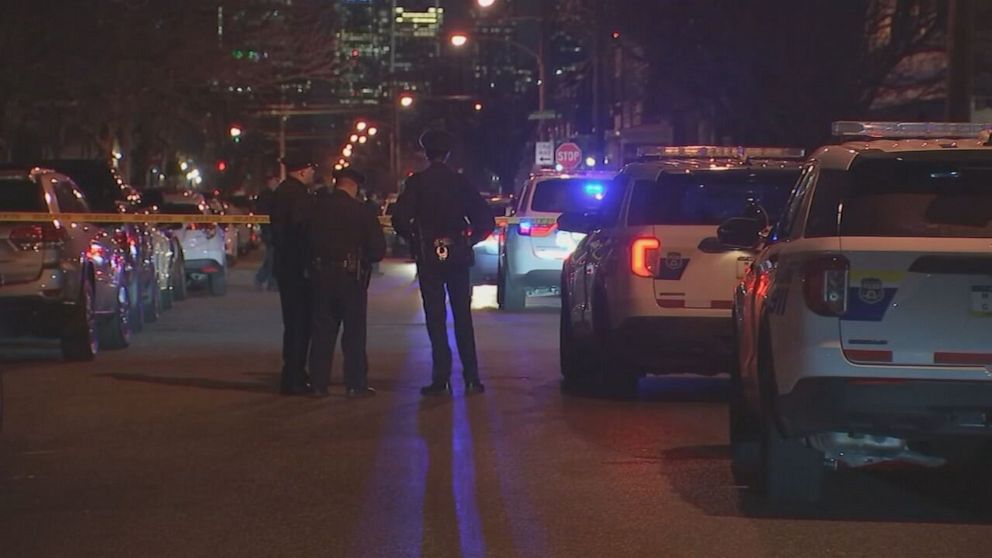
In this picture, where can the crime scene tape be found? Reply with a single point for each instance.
(27, 217)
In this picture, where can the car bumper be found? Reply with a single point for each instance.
(203, 266)
(912, 409)
(665, 345)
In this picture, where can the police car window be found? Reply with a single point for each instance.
(785, 229)
(609, 211)
(18, 194)
(710, 197)
(919, 200)
(558, 195)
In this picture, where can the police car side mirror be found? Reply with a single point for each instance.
(740, 232)
(574, 221)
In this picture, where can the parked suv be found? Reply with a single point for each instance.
(58, 279)
(864, 326)
(533, 248)
(649, 290)
(204, 244)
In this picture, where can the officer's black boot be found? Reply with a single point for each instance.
(474, 386)
(436, 388)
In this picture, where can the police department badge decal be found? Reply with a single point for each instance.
(872, 290)
(673, 261)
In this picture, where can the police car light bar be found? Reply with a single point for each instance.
(898, 130)
(774, 153)
(691, 152)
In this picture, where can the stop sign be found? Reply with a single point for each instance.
(569, 156)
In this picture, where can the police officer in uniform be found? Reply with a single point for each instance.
(290, 212)
(443, 216)
(345, 240)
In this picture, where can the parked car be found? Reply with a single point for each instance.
(108, 193)
(648, 290)
(533, 249)
(64, 280)
(864, 326)
(204, 244)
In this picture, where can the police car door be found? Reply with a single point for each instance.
(917, 239)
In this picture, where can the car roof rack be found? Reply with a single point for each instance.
(908, 130)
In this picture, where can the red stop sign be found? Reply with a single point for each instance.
(569, 156)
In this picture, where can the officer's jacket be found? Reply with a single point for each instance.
(290, 211)
(440, 202)
(343, 227)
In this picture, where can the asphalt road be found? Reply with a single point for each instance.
(179, 446)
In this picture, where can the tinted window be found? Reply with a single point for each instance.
(18, 194)
(905, 199)
(709, 197)
(558, 195)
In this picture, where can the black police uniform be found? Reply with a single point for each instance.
(443, 216)
(345, 239)
(290, 212)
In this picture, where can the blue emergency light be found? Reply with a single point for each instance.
(595, 190)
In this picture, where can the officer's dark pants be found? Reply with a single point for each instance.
(294, 294)
(433, 283)
(338, 297)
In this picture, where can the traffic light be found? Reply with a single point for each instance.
(222, 165)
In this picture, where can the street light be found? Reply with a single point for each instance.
(478, 107)
(485, 3)
(406, 100)
(459, 39)
(235, 132)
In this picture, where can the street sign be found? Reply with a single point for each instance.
(544, 153)
(569, 156)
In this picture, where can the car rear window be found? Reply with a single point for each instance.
(905, 199)
(709, 197)
(18, 194)
(558, 195)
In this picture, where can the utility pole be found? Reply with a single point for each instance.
(394, 136)
(961, 59)
(597, 118)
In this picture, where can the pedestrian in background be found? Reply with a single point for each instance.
(345, 240)
(264, 278)
(291, 204)
(443, 217)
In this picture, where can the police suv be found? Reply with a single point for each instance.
(649, 289)
(864, 326)
(533, 248)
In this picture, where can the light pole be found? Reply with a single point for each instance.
(459, 40)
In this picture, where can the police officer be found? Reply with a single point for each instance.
(443, 216)
(289, 217)
(345, 240)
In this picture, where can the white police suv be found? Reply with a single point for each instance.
(533, 248)
(864, 326)
(649, 290)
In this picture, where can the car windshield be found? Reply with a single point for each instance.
(909, 199)
(710, 197)
(18, 194)
(558, 195)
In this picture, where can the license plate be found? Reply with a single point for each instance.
(981, 300)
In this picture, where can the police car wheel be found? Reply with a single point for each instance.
(572, 371)
(611, 373)
(790, 470)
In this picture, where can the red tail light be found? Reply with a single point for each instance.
(825, 282)
(30, 237)
(528, 228)
(644, 256)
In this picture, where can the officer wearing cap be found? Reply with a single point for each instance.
(442, 216)
(345, 239)
(289, 217)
